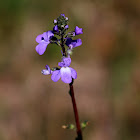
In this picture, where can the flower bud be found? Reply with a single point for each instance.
(63, 15)
(45, 72)
(55, 21)
(67, 26)
(62, 26)
(55, 29)
(66, 18)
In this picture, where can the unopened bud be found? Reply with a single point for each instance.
(69, 51)
(67, 26)
(45, 72)
(55, 21)
(62, 26)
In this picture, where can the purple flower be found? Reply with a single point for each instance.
(78, 30)
(43, 40)
(66, 73)
(63, 15)
(55, 28)
(46, 71)
(73, 43)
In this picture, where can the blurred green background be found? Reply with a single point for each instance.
(107, 90)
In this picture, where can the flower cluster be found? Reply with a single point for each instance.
(65, 40)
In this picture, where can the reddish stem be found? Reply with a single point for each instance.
(79, 132)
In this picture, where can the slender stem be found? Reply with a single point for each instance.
(62, 45)
(79, 132)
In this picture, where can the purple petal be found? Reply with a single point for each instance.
(61, 64)
(77, 43)
(41, 48)
(73, 33)
(39, 38)
(49, 34)
(73, 73)
(67, 61)
(45, 72)
(78, 30)
(66, 75)
(48, 68)
(45, 36)
(55, 75)
(73, 43)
